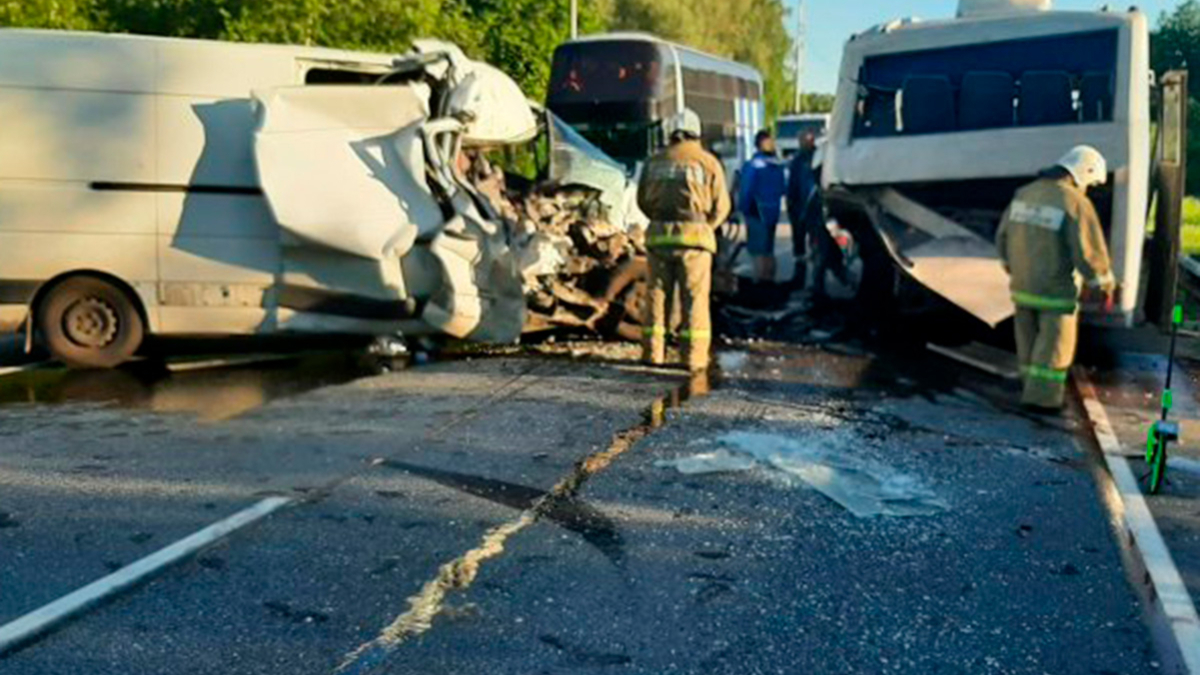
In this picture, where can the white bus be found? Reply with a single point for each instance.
(937, 123)
(617, 89)
(132, 198)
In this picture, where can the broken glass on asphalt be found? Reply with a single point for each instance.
(865, 488)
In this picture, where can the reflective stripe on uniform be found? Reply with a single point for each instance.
(1043, 302)
(1044, 373)
(1046, 217)
(696, 335)
(688, 240)
(654, 331)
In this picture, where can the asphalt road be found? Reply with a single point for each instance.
(632, 566)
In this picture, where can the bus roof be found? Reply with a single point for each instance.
(979, 28)
(693, 58)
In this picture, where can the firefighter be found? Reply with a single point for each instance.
(1050, 241)
(682, 191)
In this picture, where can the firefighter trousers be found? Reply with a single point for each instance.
(1045, 352)
(690, 271)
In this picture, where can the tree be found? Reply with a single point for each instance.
(1176, 45)
(62, 14)
(175, 18)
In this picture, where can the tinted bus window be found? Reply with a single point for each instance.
(1063, 79)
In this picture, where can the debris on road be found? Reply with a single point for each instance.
(578, 245)
(864, 488)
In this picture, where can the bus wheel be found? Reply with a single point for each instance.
(89, 323)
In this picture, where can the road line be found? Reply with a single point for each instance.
(1175, 625)
(13, 370)
(36, 623)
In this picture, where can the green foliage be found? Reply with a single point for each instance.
(812, 102)
(517, 36)
(370, 25)
(1175, 45)
(62, 14)
(1176, 42)
(177, 18)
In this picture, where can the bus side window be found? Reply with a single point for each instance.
(877, 113)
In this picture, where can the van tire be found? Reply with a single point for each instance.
(87, 322)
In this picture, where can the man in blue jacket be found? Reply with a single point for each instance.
(760, 197)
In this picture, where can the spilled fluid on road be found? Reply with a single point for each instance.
(457, 575)
(215, 390)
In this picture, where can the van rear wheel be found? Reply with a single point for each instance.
(90, 323)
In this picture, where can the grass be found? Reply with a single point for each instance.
(1191, 226)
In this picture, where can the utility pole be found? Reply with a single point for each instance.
(574, 19)
(801, 48)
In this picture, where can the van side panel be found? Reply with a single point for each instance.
(218, 243)
(75, 114)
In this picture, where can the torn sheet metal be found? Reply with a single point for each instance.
(343, 167)
(481, 297)
(948, 258)
(965, 272)
(492, 106)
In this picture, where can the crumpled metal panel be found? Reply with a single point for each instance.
(343, 167)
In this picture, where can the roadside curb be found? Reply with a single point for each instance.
(1170, 612)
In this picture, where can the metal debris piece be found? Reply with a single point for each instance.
(570, 248)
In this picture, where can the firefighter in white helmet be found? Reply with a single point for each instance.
(1051, 242)
(683, 193)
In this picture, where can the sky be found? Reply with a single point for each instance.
(830, 22)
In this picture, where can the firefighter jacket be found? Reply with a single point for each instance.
(1049, 240)
(683, 193)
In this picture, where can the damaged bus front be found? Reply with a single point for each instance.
(937, 124)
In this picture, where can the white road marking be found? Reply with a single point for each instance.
(13, 370)
(1161, 585)
(41, 620)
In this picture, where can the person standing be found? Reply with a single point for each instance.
(806, 213)
(683, 192)
(760, 197)
(1049, 239)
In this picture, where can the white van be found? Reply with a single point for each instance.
(132, 196)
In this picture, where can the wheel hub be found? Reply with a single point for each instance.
(90, 322)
